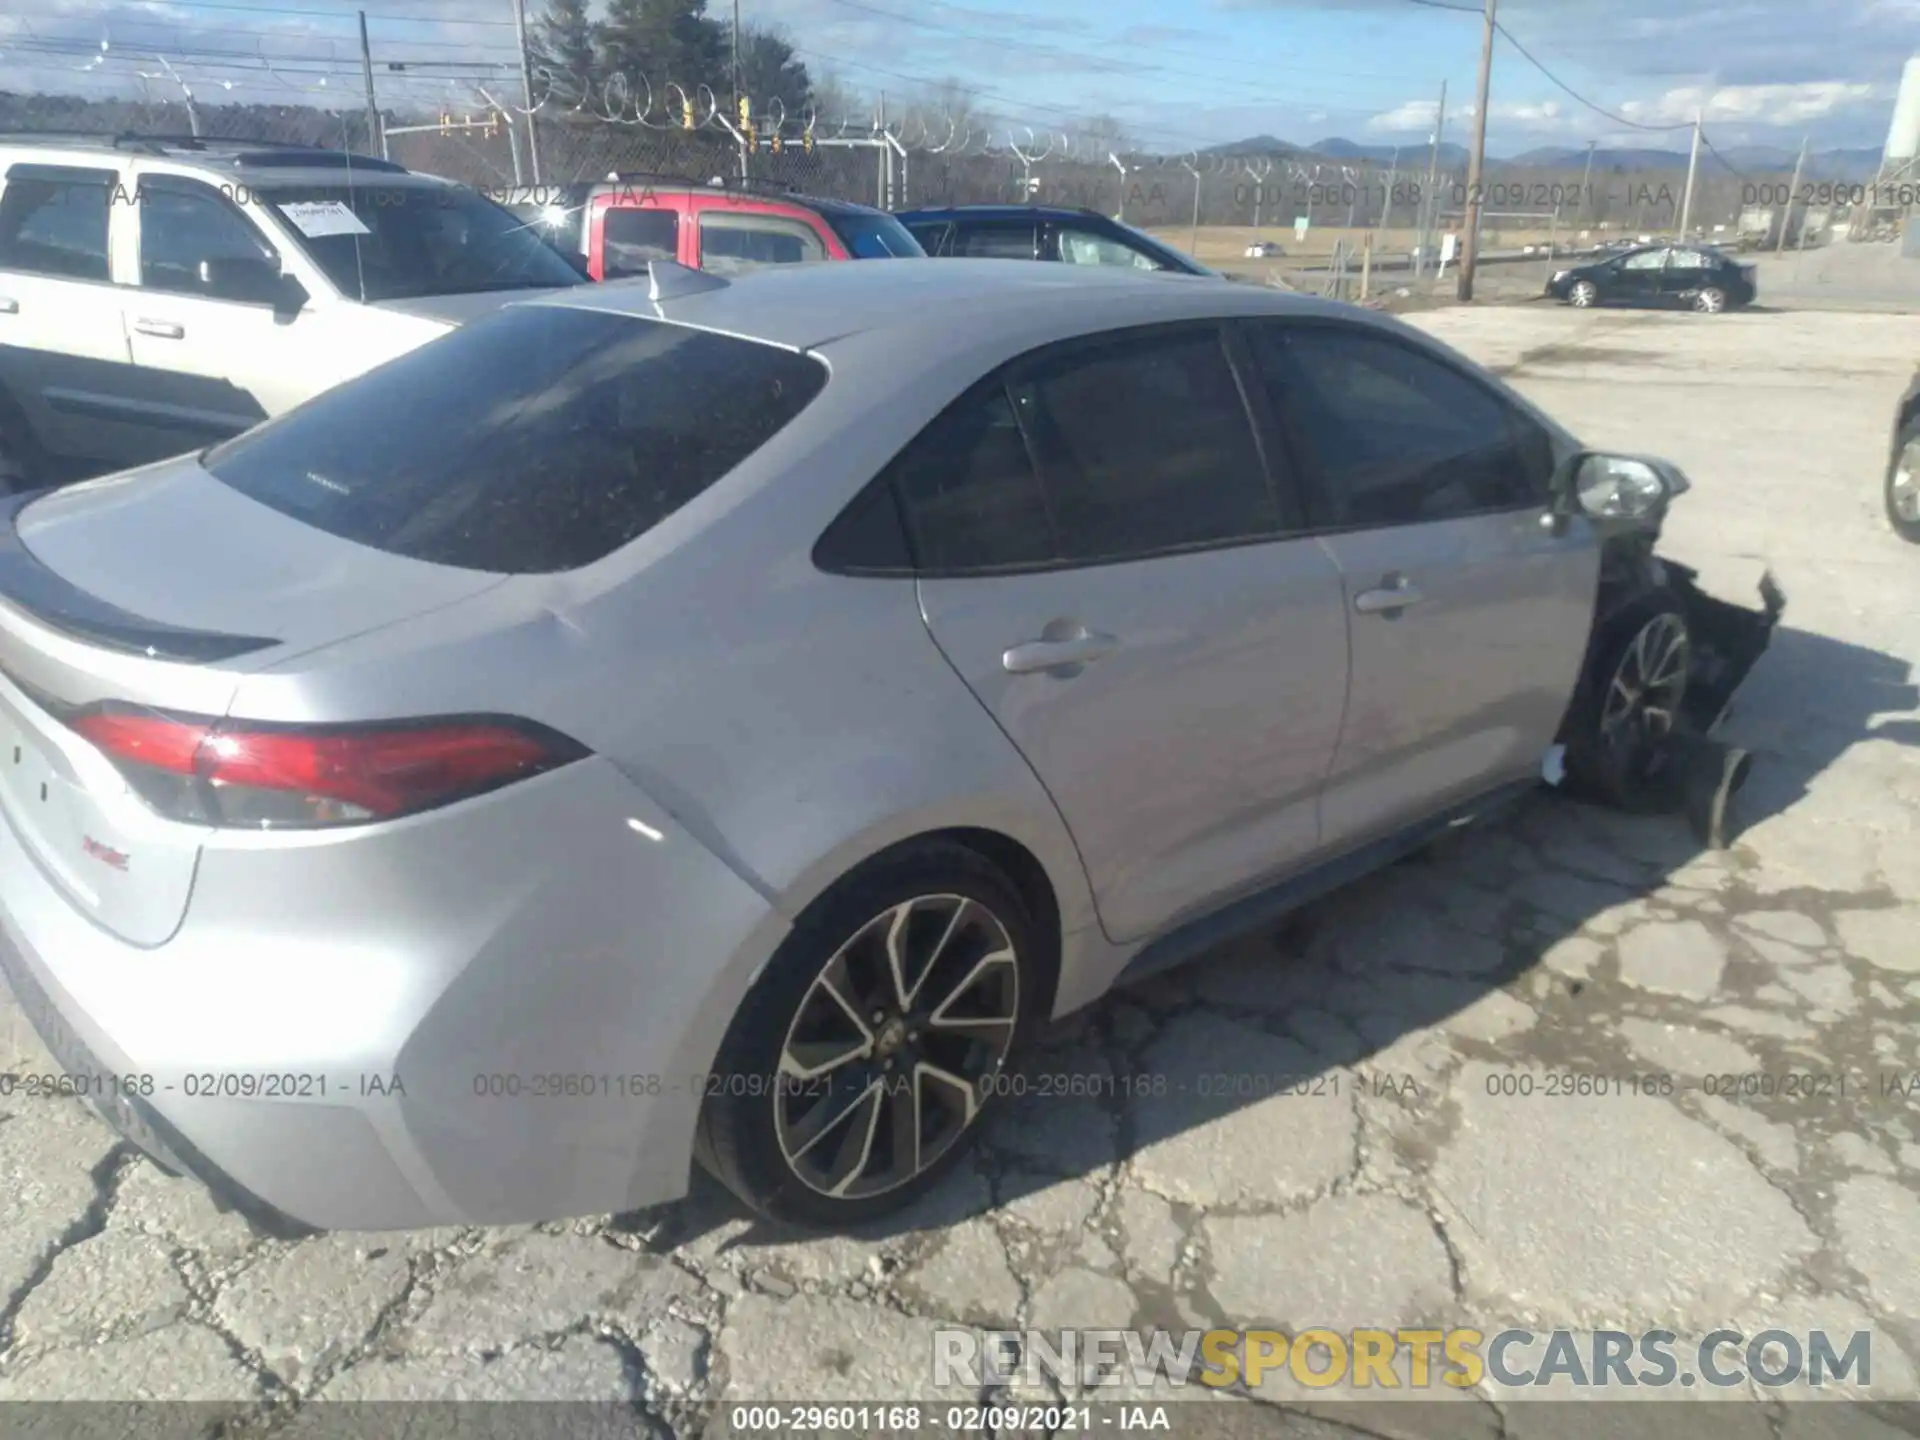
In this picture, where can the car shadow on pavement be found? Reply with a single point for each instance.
(1280, 1067)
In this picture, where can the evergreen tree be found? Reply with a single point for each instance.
(565, 42)
(769, 70)
(667, 42)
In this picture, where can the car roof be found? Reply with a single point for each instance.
(1001, 212)
(252, 157)
(927, 304)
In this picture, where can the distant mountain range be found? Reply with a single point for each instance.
(1855, 164)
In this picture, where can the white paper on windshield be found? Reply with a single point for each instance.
(315, 218)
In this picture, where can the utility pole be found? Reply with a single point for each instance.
(1693, 166)
(375, 140)
(736, 57)
(1476, 167)
(1786, 216)
(1386, 204)
(1586, 185)
(1430, 208)
(526, 85)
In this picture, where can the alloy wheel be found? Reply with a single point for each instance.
(895, 1045)
(1643, 697)
(1710, 302)
(1903, 485)
(1584, 294)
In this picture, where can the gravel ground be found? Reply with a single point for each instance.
(1563, 941)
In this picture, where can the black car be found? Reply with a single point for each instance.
(1903, 470)
(1690, 275)
(1042, 232)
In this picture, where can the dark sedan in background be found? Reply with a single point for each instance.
(1694, 276)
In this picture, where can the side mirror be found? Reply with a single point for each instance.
(1617, 491)
(252, 280)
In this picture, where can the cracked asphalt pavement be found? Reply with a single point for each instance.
(1365, 1152)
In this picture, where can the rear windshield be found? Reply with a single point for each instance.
(539, 438)
(399, 242)
(874, 237)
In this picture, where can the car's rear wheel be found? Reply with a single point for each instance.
(1616, 741)
(858, 1068)
(1903, 484)
(1584, 295)
(1710, 301)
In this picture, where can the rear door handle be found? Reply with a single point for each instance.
(161, 329)
(1390, 599)
(1036, 655)
(9, 305)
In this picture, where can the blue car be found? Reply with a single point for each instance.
(1042, 232)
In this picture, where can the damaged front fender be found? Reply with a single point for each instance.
(1727, 641)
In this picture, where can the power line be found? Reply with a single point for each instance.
(348, 16)
(1622, 120)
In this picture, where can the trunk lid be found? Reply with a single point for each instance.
(160, 589)
(452, 310)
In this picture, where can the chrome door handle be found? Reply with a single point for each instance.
(9, 305)
(1389, 599)
(161, 329)
(1081, 649)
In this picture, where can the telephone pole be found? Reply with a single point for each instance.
(1586, 185)
(736, 57)
(1786, 215)
(526, 85)
(1693, 167)
(1430, 202)
(1470, 246)
(376, 142)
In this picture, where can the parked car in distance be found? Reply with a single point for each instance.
(392, 817)
(1903, 468)
(1696, 277)
(160, 293)
(1264, 250)
(1042, 232)
(619, 226)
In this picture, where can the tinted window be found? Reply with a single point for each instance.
(631, 239)
(930, 235)
(179, 229)
(1397, 437)
(537, 439)
(1146, 446)
(995, 242)
(731, 242)
(394, 242)
(55, 227)
(875, 236)
(969, 492)
(1084, 247)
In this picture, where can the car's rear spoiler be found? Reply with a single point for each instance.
(30, 586)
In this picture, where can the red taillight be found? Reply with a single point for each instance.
(230, 773)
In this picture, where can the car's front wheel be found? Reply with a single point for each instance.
(1903, 484)
(1710, 301)
(1584, 295)
(858, 1068)
(1638, 682)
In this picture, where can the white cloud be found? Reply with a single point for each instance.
(1409, 115)
(1759, 104)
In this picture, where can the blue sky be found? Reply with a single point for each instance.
(1175, 76)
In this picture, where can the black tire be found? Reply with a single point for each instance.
(740, 1140)
(1617, 764)
(1906, 452)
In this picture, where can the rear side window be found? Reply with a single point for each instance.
(969, 492)
(732, 242)
(55, 225)
(874, 236)
(632, 239)
(540, 438)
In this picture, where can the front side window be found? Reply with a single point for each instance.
(1689, 260)
(1083, 247)
(1645, 260)
(631, 239)
(536, 439)
(399, 242)
(732, 242)
(1395, 437)
(181, 230)
(1146, 446)
(56, 226)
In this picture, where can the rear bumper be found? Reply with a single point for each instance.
(500, 1013)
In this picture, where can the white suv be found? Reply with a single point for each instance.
(160, 293)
